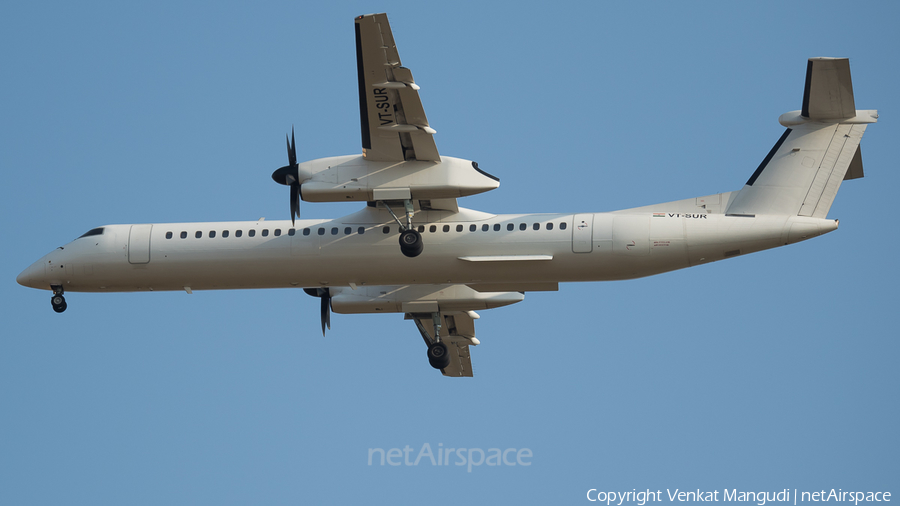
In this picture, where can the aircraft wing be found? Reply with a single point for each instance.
(458, 333)
(453, 306)
(392, 119)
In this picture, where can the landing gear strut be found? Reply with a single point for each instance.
(411, 243)
(438, 354)
(57, 300)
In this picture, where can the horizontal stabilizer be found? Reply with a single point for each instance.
(828, 93)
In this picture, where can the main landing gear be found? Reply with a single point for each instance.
(57, 300)
(438, 353)
(411, 243)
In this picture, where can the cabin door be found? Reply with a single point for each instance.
(581, 233)
(139, 244)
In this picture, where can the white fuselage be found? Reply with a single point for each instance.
(361, 249)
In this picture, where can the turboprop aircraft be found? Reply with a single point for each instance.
(453, 261)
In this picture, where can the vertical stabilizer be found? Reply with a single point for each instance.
(820, 148)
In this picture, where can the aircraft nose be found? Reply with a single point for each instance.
(32, 276)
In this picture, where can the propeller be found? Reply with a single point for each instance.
(289, 175)
(325, 309)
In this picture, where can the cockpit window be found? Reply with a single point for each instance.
(93, 231)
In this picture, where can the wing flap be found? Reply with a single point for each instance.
(460, 360)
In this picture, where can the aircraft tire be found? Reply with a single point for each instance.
(59, 303)
(411, 243)
(438, 355)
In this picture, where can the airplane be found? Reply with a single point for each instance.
(455, 261)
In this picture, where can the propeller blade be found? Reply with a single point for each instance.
(292, 149)
(326, 313)
(295, 201)
(288, 141)
(324, 296)
(289, 175)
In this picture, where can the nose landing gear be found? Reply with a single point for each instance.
(57, 300)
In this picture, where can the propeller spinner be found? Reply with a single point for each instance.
(289, 175)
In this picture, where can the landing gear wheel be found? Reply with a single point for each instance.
(411, 243)
(59, 303)
(438, 355)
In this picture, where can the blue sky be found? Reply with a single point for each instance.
(771, 371)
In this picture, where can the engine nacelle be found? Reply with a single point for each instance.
(353, 178)
(417, 299)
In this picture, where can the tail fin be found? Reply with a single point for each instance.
(820, 148)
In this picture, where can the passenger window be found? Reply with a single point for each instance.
(212, 233)
(238, 233)
(473, 228)
(184, 235)
(485, 227)
(251, 232)
(277, 232)
(361, 230)
(334, 230)
(562, 226)
(198, 235)
(432, 228)
(446, 228)
(305, 231)
(348, 230)
(291, 232)
(537, 226)
(224, 233)
(265, 232)
(510, 226)
(549, 226)
(386, 230)
(522, 226)
(421, 228)
(321, 231)
(459, 228)
(168, 235)
(496, 227)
